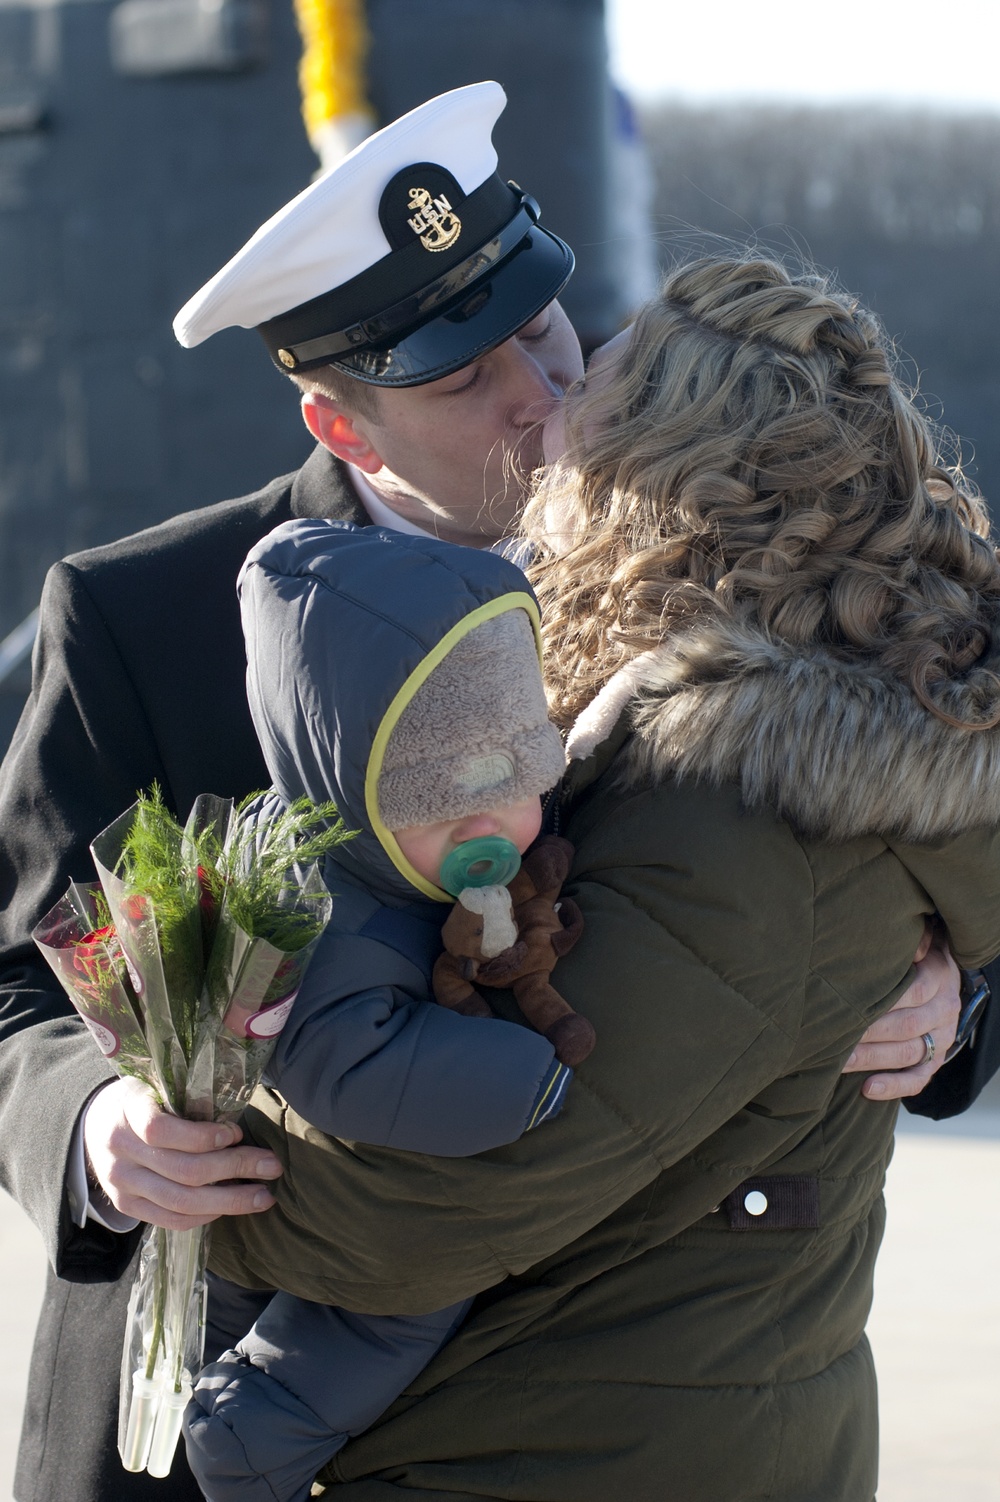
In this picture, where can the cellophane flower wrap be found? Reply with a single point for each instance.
(184, 962)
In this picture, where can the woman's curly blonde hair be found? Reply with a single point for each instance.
(751, 456)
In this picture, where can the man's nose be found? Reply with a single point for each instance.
(537, 390)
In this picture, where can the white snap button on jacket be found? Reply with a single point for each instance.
(755, 1203)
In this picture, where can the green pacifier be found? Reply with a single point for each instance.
(490, 861)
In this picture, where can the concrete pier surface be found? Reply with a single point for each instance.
(935, 1327)
(935, 1323)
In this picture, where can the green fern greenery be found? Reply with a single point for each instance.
(252, 870)
(153, 863)
(261, 896)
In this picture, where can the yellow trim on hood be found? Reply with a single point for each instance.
(514, 601)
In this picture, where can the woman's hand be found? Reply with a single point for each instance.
(894, 1046)
(167, 1171)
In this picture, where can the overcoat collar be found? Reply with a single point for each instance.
(322, 488)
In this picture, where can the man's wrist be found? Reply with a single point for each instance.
(87, 1200)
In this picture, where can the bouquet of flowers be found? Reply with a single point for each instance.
(184, 961)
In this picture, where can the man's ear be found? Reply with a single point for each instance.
(332, 427)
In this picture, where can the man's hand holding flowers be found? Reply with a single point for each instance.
(167, 1171)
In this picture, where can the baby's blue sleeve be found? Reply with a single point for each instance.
(383, 1066)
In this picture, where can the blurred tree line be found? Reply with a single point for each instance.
(902, 206)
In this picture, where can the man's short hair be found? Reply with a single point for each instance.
(356, 396)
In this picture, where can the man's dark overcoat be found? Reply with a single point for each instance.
(138, 677)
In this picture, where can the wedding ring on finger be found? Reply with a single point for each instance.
(930, 1047)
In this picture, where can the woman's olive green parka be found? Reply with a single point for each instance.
(760, 836)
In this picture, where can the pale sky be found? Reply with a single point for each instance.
(944, 55)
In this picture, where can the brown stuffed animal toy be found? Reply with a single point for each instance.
(511, 937)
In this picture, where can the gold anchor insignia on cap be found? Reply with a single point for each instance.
(434, 220)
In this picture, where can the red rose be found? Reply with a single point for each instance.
(135, 908)
(97, 953)
(206, 897)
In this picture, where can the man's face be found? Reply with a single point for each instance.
(456, 453)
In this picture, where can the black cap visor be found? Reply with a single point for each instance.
(483, 316)
(426, 309)
(475, 308)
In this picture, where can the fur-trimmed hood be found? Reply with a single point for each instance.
(838, 749)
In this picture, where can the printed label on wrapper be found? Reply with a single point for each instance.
(134, 973)
(107, 1040)
(269, 1022)
(263, 1022)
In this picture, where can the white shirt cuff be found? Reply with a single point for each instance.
(86, 1203)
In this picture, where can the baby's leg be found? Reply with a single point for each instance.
(269, 1415)
(231, 1312)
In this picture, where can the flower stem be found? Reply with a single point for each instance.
(159, 1300)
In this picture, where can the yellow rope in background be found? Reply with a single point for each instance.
(332, 70)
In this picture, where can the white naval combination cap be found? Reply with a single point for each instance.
(407, 260)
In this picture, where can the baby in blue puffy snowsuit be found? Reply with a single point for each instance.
(399, 677)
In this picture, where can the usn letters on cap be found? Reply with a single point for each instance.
(422, 202)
